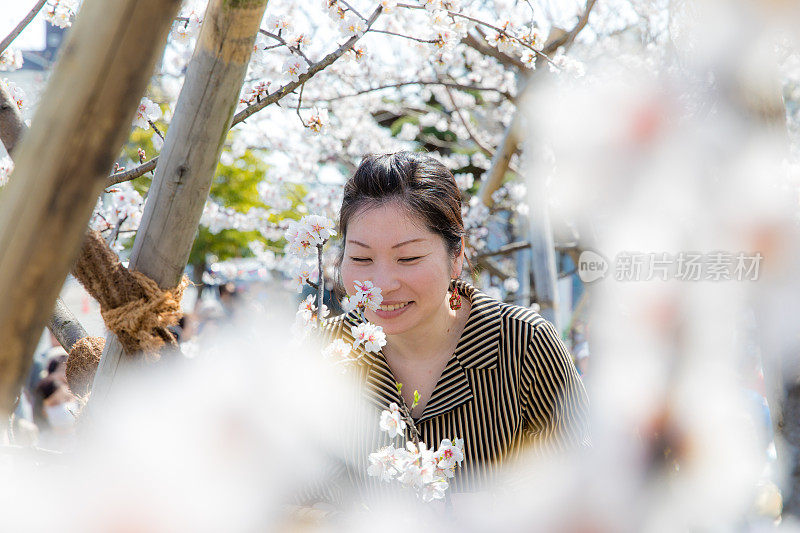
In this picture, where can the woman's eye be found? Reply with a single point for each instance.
(408, 259)
(359, 259)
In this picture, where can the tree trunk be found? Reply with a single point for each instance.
(11, 124)
(189, 158)
(61, 166)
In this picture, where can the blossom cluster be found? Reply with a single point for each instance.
(148, 111)
(61, 12)
(10, 59)
(16, 92)
(367, 296)
(415, 466)
(306, 317)
(311, 231)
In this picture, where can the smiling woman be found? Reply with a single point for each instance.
(496, 375)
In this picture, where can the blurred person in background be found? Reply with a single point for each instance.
(56, 417)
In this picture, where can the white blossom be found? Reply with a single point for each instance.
(294, 67)
(464, 180)
(367, 296)
(392, 421)
(382, 464)
(10, 59)
(147, 110)
(370, 335)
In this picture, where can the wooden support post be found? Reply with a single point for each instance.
(189, 158)
(61, 165)
(62, 323)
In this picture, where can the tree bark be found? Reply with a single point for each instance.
(79, 127)
(65, 326)
(188, 160)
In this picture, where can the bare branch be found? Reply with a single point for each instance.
(485, 149)
(459, 86)
(484, 48)
(428, 41)
(567, 38)
(133, 173)
(299, 103)
(506, 249)
(282, 41)
(21, 26)
(155, 129)
(348, 6)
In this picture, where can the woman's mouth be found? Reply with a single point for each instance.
(392, 310)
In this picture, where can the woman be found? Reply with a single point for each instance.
(494, 374)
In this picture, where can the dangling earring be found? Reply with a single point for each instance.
(455, 298)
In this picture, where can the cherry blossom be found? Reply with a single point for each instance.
(61, 12)
(383, 464)
(10, 59)
(16, 92)
(305, 319)
(392, 421)
(449, 455)
(370, 335)
(318, 121)
(294, 67)
(301, 274)
(367, 296)
(339, 351)
(147, 111)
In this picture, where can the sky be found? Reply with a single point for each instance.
(12, 12)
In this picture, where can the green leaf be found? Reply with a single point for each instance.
(399, 387)
(416, 399)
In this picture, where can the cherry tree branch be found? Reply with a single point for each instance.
(501, 31)
(387, 32)
(250, 110)
(282, 41)
(21, 26)
(483, 47)
(485, 149)
(351, 8)
(418, 82)
(567, 38)
(299, 103)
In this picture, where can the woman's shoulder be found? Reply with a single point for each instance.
(518, 319)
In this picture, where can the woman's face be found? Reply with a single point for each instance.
(409, 263)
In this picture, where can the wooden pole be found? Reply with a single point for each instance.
(189, 158)
(83, 118)
(62, 323)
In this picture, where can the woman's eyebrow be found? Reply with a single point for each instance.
(398, 245)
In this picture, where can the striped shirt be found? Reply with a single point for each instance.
(510, 384)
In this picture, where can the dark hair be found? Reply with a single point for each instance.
(46, 387)
(416, 181)
(52, 365)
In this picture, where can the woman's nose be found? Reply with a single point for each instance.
(386, 279)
